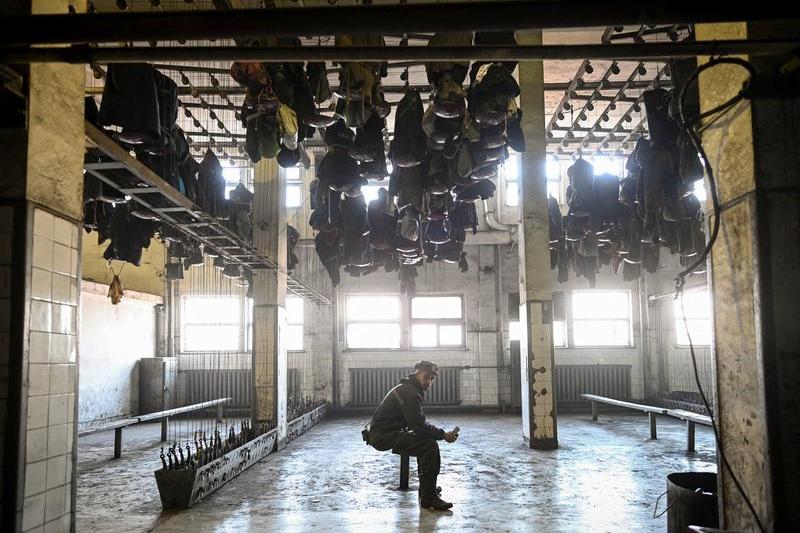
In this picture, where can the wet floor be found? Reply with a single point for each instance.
(605, 476)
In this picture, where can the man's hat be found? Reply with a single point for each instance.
(427, 366)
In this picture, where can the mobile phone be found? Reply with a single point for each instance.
(456, 430)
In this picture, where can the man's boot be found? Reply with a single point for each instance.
(429, 495)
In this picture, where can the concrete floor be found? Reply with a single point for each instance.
(605, 476)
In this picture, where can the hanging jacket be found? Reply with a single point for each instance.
(211, 185)
(131, 100)
(407, 148)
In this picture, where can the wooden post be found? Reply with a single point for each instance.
(164, 429)
(652, 417)
(594, 410)
(690, 436)
(117, 443)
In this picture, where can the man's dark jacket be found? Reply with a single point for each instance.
(400, 410)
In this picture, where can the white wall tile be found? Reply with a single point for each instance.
(41, 284)
(56, 440)
(36, 445)
(63, 318)
(59, 525)
(59, 379)
(57, 411)
(74, 261)
(41, 316)
(43, 223)
(38, 412)
(39, 347)
(38, 379)
(55, 503)
(62, 231)
(35, 478)
(42, 255)
(61, 289)
(57, 471)
(33, 512)
(62, 259)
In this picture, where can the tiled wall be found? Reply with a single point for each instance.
(51, 373)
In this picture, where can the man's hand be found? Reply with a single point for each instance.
(451, 436)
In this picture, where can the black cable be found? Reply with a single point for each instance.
(688, 126)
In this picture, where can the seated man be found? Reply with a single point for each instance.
(399, 425)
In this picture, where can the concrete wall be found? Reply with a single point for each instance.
(148, 277)
(113, 339)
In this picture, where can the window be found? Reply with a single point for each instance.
(553, 170)
(294, 323)
(559, 323)
(437, 322)
(697, 305)
(210, 323)
(294, 187)
(601, 318)
(372, 321)
(232, 177)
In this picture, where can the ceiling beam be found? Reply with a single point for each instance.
(30, 30)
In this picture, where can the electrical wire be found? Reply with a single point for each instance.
(688, 127)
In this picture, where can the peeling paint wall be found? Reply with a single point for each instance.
(112, 340)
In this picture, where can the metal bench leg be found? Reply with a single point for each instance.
(652, 417)
(594, 410)
(117, 443)
(164, 429)
(404, 466)
(689, 435)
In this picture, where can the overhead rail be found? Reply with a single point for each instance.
(83, 54)
(118, 169)
(28, 30)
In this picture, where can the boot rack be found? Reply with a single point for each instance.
(123, 172)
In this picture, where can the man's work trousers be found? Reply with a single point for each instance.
(426, 450)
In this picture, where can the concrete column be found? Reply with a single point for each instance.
(536, 293)
(41, 206)
(269, 296)
(755, 261)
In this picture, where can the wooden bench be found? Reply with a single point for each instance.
(118, 425)
(691, 418)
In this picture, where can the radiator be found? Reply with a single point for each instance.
(369, 385)
(612, 381)
(201, 385)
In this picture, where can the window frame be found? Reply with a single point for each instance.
(348, 321)
(438, 322)
(293, 182)
(573, 320)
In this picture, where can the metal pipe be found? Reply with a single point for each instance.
(404, 18)
(652, 51)
(553, 86)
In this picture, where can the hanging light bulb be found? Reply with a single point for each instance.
(220, 125)
(187, 113)
(636, 107)
(184, 79)
(196, 123)
(560, 115)
(589, 106)
(604, 117)
(567, 106)
(642, 71)
(615, 68)
(588, 68)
